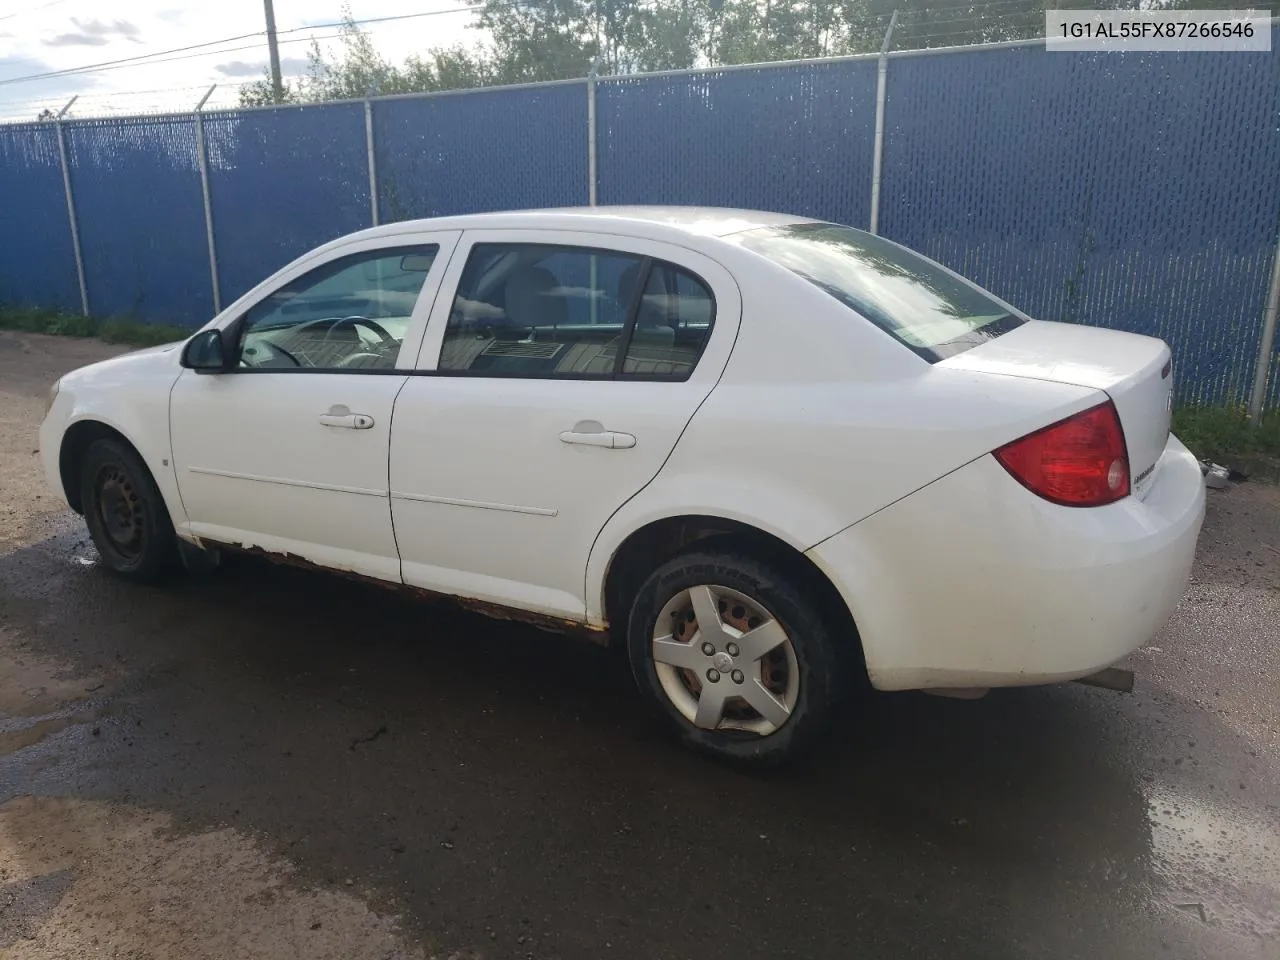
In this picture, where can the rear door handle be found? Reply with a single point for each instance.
(590, 433)
(605, 438)
(352, 421)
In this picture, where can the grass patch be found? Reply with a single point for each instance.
(1221, 433)
(120, 330)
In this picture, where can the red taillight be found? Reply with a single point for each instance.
(1077, 462)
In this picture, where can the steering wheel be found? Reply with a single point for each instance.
(335, 323)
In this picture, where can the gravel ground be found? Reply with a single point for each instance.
(267, 762)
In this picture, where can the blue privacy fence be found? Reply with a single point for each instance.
(1130, 190)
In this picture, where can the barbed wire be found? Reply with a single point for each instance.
(115, 102)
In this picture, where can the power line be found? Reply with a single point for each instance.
(192, 56)
(138, 60)
(368, 20)
(95, 67)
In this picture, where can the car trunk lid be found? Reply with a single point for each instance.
(1135, 371)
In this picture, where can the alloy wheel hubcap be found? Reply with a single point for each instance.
(725, 662)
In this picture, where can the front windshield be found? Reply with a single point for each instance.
(932, 312)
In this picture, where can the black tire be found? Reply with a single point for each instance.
(821, 669)
(126, 514)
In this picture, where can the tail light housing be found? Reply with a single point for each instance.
(1081, 461)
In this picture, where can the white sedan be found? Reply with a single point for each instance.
(773, 457)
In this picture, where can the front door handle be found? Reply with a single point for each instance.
(590, 433)
(352, 421)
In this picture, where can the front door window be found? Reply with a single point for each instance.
(350, 313)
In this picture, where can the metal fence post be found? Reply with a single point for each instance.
(591, 134)
(882, 72)
(71, 207)
(202, 154)
(373, 161)
(1263, 369)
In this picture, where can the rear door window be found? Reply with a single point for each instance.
(551, 311)
(928, 309)
(673, 321)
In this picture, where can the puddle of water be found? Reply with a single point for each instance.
(35, 685)
(1218, 863)
(11, 741)
(92, 879)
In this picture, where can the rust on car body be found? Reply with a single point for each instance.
(591, 632)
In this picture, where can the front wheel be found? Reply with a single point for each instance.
(125, 513)
(736, 654)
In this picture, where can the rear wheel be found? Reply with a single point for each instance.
(125, 513)
(736, 655)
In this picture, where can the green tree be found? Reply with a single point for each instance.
(671, 36)
(358, 70)
(451, 68)
(258, 93)
(538, 40)
(935, 23)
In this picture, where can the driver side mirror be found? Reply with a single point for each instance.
(206, 352)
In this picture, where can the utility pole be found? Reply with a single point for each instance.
(877, 156)
(277, 87)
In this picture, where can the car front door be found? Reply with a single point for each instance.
(557, 373)
(287, 450)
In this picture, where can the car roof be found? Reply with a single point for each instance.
(651, 221)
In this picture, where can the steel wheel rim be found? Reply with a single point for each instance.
(120, 510)
(725, 662)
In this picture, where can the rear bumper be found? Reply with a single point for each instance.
(974, 581)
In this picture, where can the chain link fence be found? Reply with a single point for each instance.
(1128, 190)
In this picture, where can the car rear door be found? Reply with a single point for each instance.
(521, 432)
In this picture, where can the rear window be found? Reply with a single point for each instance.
(929, 310)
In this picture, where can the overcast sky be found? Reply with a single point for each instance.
(40, 36)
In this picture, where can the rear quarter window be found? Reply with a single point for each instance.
(924, 307)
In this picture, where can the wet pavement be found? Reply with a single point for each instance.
(267, 762)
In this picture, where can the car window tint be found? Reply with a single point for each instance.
(672, 325)
(350, 313)
(929, 310)
(537, 310)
